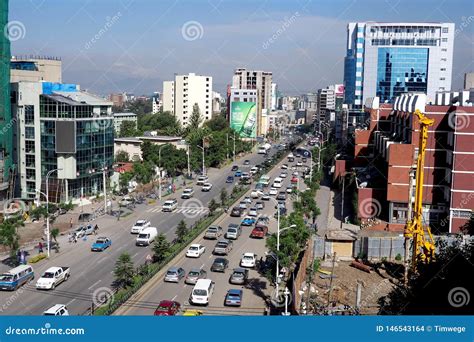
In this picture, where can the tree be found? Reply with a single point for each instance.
(124, 179)
(224, 196)
(196, 119)
(212, 206)
(161, 248)
(54, 236)
(128, 129)
(124, 271)
(217, 124)
(9, 236)
(181, 231)
(143, 172)
(122, 157)
(164, 123)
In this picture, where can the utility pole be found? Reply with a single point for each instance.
(409, 218)
(332, 277)
(342, 198)
(227, 149)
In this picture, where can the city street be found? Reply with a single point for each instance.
(255, 293)
(92, 272)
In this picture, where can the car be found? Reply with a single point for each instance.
(304, 159)
(238, 173)
(259, 232)
(192, 312)
(236, 211)
(234, 297)
(283, 212)
(243, 205)
(262, 221)
(170, 205)
(256, 193)
(194, 275)
(298, 164)
(294, 179)
(273, 191)
(174, 274)
(230, 179)
(248, 260)
(260, 205)
(187, 193)
(83, 230)
(266, 196)
(239, 276)
(281, 196)
(295, 174)
(254, 170)
(223, 247)
(213, 232)
(289, 189)
(248, 221)
(139, 225)
(277, 183)
(52, 277)
(126, 200)
(101, 244)
(247, 199)
(195, 250)
(206, 187)
(234, 168)
(167, 308)
(233, 231)
(253, 212)
(246, 162)
(201, 180)
(283, 175)
(219, 265)
(57, 310)
(284, 166)
(259, 186)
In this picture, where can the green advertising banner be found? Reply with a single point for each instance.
(243, 118)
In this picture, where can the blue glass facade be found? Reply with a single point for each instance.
(401, 70)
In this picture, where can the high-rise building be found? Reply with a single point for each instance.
(35, 69)
(120, 118)
(59, 127)
(469, 80)
(7, 168)
(388, 59)
(274, 96)
(180, 96)
(157, 104)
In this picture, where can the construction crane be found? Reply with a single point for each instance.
(422, 242)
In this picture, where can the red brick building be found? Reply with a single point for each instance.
(386, 152)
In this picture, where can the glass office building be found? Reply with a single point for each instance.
(401, 70)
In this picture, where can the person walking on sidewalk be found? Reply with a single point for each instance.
(40, 247)
(96, 229)
(70, 223)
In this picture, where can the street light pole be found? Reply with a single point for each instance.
(189, 163)
(203, 149)
(233, 138)
(159, 172)
(48, 235)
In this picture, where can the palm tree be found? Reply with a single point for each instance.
(54, 235)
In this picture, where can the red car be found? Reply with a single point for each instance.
(294, 179)
(167, 308)
(259, 232)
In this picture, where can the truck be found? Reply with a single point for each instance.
(264, 148)
(52, 277)
(146, 236)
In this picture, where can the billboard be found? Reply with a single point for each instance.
(243, 118)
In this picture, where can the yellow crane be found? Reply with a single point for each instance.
(423, 246)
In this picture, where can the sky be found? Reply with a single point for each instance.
(110, 46)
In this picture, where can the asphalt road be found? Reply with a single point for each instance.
(92, 272)
(254, 293)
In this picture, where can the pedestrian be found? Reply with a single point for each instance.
(18, 256)
(96, 229)
(23, 258)
(40, 247)
(70, 223)
(148, 259)
(75, 238)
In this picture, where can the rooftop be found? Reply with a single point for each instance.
(124, 114)
(83, 97)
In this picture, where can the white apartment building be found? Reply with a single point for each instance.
(388, 59)
(119, 118)
(180, 95)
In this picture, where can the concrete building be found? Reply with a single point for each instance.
(157, 104)
(133, 145)
(469, 80)
(60, 127)
(274, 104)
(35, 69)
(388, 59)
(118, 100)
(180, 95)
(7, 167)
(386, 152)
(119, 118)
(216, 102)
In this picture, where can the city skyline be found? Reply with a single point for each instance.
(125, 46)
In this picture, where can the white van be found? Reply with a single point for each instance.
(202, 292)
(277, 182)
(146, 236)
(57, 310)
(16, 277)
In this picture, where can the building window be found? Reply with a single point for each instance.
(444, 40)
(29, 114)
(442, 79)
(443, 69)
(445, 30)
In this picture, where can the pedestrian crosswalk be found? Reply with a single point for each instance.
(183, 210)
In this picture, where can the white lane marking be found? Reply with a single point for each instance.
(102, 260)
(120, 248)
(210, 256)
(184, 286)
(202, 266)
(98, 281)
(134, 255)
(174, 297)
(71, 301)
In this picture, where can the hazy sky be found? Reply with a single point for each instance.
(133, 45)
